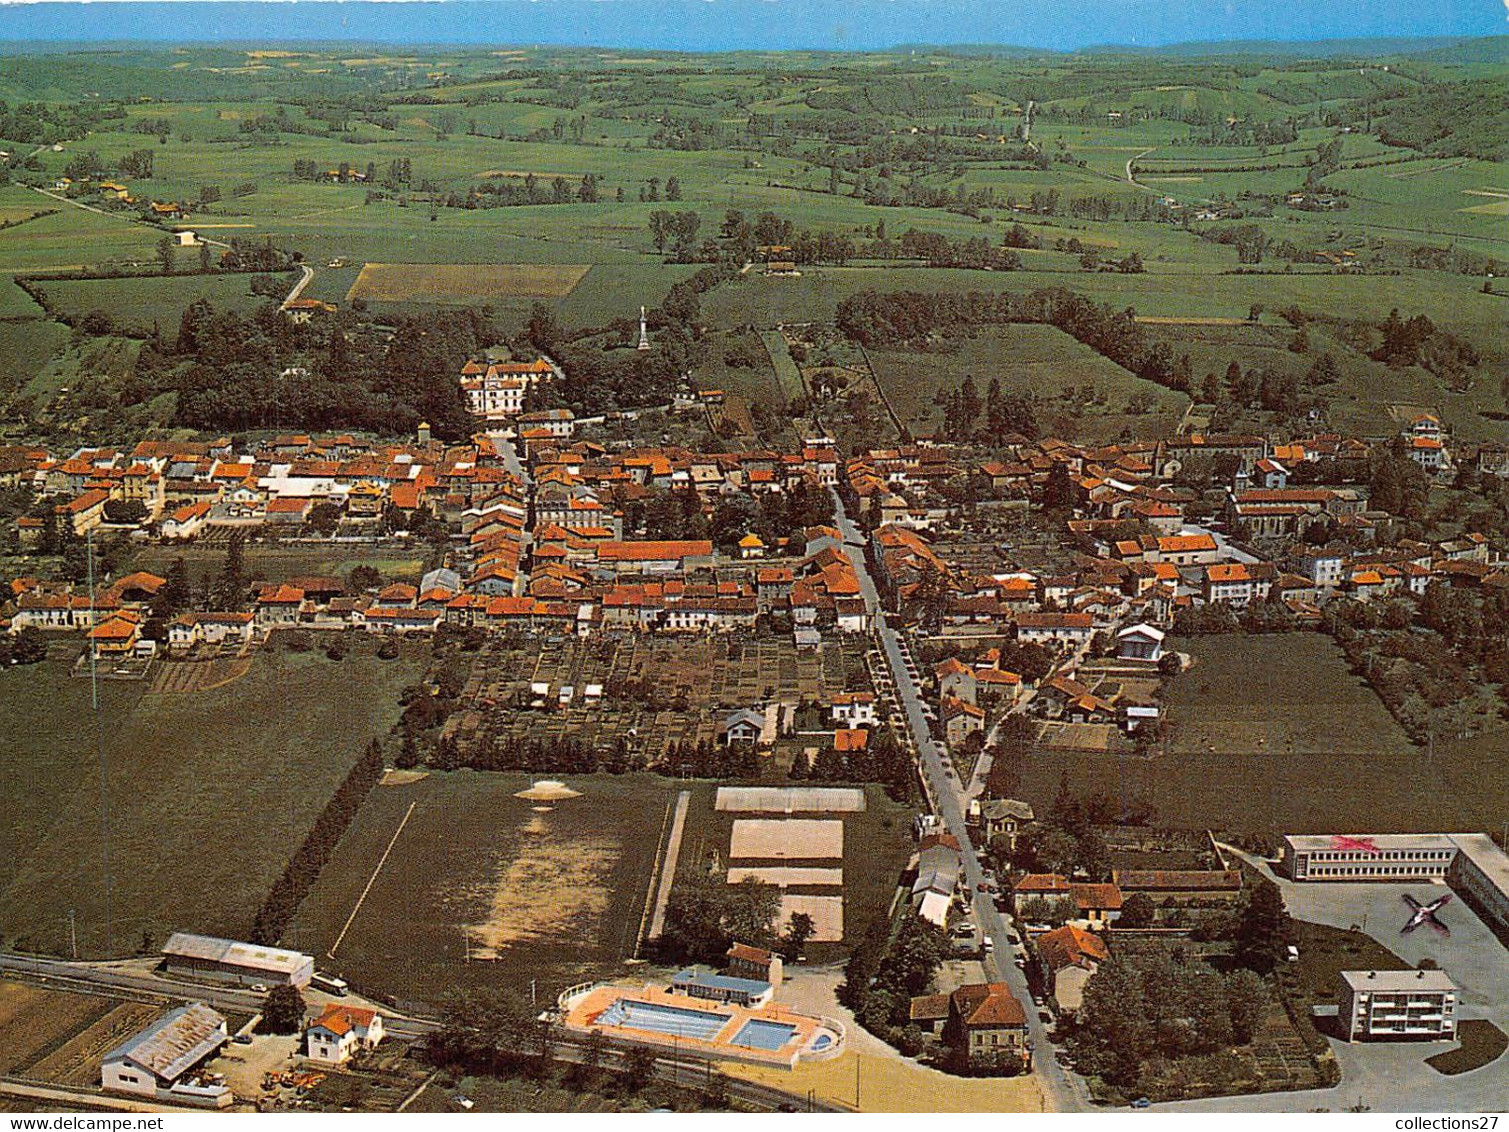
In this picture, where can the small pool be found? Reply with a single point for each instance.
(760, 1034)
(822, 1041)
(660, 1019)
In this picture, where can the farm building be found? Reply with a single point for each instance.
(341, 1031)
(161, 1061)
(227, 960)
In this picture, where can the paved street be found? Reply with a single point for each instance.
(948, 793)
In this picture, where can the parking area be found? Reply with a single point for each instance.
(1472, 955)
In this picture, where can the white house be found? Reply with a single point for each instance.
(853, 709)
(1140, 642)
(341, 1031)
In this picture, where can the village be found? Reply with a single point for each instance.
(915, 616)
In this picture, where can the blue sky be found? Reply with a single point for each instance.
(699, 25)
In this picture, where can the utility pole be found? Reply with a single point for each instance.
(99, 748)
(73, 934)
(856, 1082)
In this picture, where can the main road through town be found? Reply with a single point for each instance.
(948, 796)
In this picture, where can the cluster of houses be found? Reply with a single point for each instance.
(1142, 545)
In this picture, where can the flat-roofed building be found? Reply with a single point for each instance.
(1398, 1005)
(230, 961)
(697, 983)
(1368, 857)
(1480, 875)
(1471, 863)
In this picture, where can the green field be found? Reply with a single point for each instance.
(1028, 360)
(1272, 734)
(210, 792)
(136, 304)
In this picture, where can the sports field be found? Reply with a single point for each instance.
(465, 283)
(210, 792)
(840, 866)
(483, 887)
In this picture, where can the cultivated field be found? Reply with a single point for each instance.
(210, 793)
(656, 690)
(1273, 734)
(465, 283)
(483, 887)
(58, 1036)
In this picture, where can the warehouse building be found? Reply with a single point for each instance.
(230, 961)
(165, 1059)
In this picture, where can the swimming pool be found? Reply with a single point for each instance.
(759, 1034)
(657, 1018)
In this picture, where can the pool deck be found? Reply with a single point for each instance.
(582, 1012)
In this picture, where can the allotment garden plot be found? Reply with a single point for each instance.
(646, 692)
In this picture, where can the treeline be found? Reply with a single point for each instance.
(304, 869)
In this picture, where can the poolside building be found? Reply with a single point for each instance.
(697, 983)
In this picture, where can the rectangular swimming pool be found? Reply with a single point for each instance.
(759, 1034)
(672, 1021)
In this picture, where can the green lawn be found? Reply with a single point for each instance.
(138, 303)
(1273, 733)
(1482, 1043)
(210, 793)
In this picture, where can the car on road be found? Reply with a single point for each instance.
(1142, 1102)
(258, 988)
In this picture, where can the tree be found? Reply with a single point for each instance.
(363, 577)
(1247, 1000)
(672, 189)
(1262, 928)
(324, 518)
(283, 1011)
(165, 254)
(1138, 911)
(29, 647)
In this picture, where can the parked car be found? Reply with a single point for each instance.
(1142, 1102)
(258, 988)
(242, 1039)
